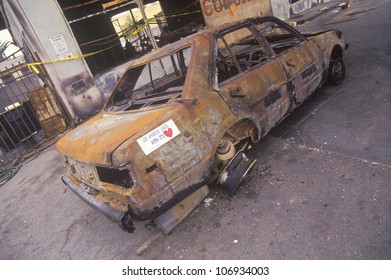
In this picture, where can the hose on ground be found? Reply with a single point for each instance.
(8, 171)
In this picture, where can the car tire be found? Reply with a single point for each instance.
(336, 71)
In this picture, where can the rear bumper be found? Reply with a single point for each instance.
(118, 217)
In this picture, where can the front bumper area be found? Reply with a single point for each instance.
(123, 219)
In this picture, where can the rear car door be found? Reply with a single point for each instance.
(301, 58)
(250, 81)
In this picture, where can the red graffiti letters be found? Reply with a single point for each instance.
(217, 6)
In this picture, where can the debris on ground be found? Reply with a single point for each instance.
(208, 202)
(344, 5)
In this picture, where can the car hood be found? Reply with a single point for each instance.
(96, 139)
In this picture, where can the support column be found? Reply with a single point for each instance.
(148, 28)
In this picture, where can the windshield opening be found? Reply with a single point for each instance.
(154, 83)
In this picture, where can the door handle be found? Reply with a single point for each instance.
(290, 64)
(236, 93)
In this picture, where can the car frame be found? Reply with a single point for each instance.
(215, 92)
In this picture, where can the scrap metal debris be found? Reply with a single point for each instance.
(173, 217)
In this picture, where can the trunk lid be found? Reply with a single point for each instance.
(96, 139)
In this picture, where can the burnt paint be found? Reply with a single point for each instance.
(272, 97)
(151, 168)
(78, 87)
(309, 71)
(150, 215)
(77, 84)
(291, 87)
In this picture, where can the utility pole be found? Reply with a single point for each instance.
(148, 28)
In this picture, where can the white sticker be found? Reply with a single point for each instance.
(60, 46)
(158, 137)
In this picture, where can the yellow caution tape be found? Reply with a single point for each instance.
(183, 14)
(35, 69)
(32, 66)
(138, 30)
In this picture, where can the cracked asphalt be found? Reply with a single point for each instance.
(321, 188)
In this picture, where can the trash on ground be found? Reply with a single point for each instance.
(346, 4)
(208, 202)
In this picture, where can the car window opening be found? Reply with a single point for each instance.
(237, 55)
(153, 83)
(279, 37)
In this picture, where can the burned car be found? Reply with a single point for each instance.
(185, 115)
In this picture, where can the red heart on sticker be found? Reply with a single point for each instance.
(168, 132)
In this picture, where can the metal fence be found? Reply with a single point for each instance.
(29, 113)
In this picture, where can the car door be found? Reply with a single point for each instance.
(301, 58)
(250, 81)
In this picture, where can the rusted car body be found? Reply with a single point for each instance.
(184, 115)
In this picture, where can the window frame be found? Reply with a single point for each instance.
(283, 25)
(220, 35)
(111, 104)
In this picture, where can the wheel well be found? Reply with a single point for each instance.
(238, 136)
(337, 52)
(245, 128)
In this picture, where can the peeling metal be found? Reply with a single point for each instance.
(170, 219)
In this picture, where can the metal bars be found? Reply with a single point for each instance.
(29, 114)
